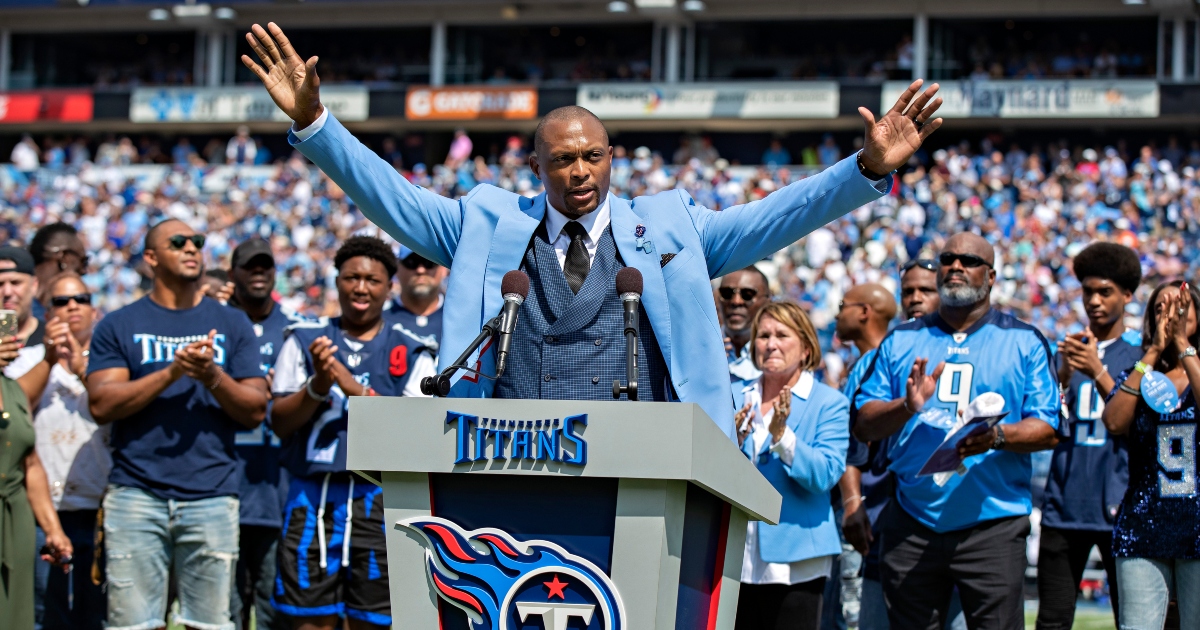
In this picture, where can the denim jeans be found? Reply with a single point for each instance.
(147, 537)
(1146, 587)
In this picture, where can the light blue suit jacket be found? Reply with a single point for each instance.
(821, 423)
(484, 235)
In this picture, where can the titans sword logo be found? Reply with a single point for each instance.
(502, 583)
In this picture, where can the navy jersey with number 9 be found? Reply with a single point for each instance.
(997, 354)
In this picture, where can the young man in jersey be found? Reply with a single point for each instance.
(419, 308)
(969, 530)
(177, 377)
(264, 484)
(332, 559)
(1090, 469)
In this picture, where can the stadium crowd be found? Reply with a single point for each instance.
(100, 237)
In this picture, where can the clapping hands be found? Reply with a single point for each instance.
(196, 360)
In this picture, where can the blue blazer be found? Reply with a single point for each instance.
(820, 418)
(483, 235)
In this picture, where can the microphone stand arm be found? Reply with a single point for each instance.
(438, 385)
(631, 365)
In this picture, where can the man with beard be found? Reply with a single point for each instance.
(743, 293)
(419, 308)
(264, 485)
(963, 528)
(177, 377)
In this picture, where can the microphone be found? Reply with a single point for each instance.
(515, 288)
(629, 287)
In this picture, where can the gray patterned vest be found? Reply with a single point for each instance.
(572, 347)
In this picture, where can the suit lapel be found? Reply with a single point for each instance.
(509, 243)
(624, 222)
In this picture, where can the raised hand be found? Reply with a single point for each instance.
(1183, 308)
(292, 82)
(1081, 355)
(325, 364)
(10, 349)
(890, 141)
(196, 360)
(921, 385)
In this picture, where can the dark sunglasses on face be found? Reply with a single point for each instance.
(967, 260)
(59, 301)
(924, 263)
(179, 240)
(412, 262)
(748, 295)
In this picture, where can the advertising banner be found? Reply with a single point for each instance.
(1042, 98)
(46, 105)
(471, 102)
(783, 100)
(235, 104)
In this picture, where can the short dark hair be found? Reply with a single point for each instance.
(1110, 261)
(370, 247)
(152, 233)
(562, 114)
(42, 237)
(761, 276)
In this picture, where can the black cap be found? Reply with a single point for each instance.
(22, 258)
(251, 249)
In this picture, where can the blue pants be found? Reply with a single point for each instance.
(1146, 587)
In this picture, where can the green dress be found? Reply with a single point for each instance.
(17, 534)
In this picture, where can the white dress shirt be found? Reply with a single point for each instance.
(754, 569)
(595, 222)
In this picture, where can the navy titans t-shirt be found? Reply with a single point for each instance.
(180, 446)
(1089, 470)
(263, 482)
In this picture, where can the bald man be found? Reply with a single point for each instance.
(962, 529)
(573, 239)
(863, 318)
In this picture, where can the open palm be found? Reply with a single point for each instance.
(292, 82)
(891, 140)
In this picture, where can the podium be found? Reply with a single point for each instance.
(557, 514)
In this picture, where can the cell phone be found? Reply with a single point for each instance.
(8, 323)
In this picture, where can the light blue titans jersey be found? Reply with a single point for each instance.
(998, 354)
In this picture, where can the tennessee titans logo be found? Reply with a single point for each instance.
(504, 584)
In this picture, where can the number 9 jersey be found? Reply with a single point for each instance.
(1089, 469)
(997, 354)
(1160, 516)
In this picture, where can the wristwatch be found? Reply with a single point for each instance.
(1189, 351)
(998, 444)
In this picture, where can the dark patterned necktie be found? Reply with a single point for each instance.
(577, 264)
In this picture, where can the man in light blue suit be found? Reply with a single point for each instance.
(572, 240)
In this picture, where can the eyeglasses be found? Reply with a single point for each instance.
(82, 299)
(413, 261)
(843, 305)
(747, 294)
(967, 260)
(179, 240)
(924, 263)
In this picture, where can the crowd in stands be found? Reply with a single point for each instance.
(1037, 204)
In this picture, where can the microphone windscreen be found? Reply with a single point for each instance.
(517, 282)
(629, 280)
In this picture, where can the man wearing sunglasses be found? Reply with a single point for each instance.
(574, 238)
(419, 307)
(963, 530)
(743, 293)
(176, 377)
